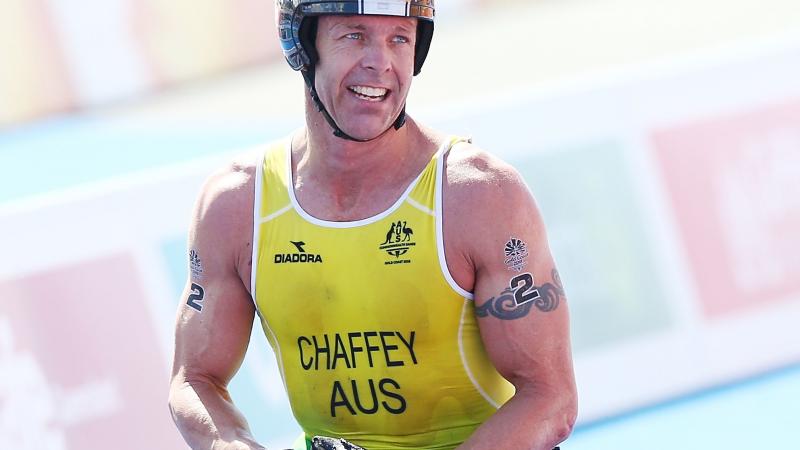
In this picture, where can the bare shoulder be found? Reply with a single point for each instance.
(228, 192)
(222, 223)
(480, 182)
(486, 202)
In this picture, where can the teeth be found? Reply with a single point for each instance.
(369, 91)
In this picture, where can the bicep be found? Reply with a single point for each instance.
(213, 326)
(519, 299)
(215, 312)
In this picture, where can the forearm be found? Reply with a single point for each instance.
(208, 419)
(528, 421)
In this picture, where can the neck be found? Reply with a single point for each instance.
(356, 179)
(345, 161)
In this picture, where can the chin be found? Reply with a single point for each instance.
(367, 132)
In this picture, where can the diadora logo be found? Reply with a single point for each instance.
(398, 242)
(301, 257)
(299, 246)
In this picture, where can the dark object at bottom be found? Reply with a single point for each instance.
(328, 443)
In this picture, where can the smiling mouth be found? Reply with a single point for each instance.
(368, 93)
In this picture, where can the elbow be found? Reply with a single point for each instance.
(180, 395)
(173, 401)
(563, 429)
(565, 421)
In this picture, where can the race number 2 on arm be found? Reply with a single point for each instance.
(215, 317)
(520, 303)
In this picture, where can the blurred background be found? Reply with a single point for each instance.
(661, 139)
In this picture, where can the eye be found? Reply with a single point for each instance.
(354, 35)
(401, 40)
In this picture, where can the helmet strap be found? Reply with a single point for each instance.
(308, 76)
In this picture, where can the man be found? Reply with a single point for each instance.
(402, 277)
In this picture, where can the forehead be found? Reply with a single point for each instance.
(365, 22)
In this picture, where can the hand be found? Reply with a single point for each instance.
(329, 443)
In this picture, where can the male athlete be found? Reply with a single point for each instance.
(401, 276)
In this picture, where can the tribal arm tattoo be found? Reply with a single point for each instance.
(516, 300)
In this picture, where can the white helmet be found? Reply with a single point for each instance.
(298, 42)
(297, 28)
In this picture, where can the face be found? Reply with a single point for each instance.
(365, 68)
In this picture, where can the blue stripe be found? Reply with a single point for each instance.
(707, 394)
(74, 150)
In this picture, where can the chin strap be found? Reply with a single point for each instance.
(308, 76)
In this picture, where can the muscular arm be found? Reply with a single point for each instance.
(215, 317)
(521, 307)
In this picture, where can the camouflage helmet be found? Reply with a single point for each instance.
(297, 34)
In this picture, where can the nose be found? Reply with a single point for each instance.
(377, 56)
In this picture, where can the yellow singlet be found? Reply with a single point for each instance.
(375, 342)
